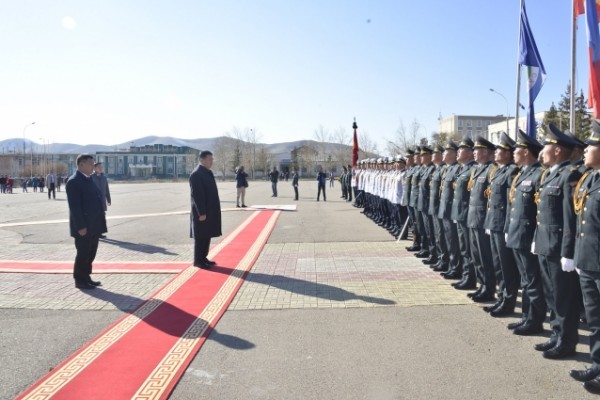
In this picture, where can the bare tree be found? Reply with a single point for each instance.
(405, 138)
(322, 136)
(252, 137)
(263, 159)
(342, 140)
(366, 146)
(224, 155)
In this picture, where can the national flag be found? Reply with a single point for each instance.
(591, 17)
(580, 7)
(536, 74)
(355, 148)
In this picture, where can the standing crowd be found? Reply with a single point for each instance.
(496, 218)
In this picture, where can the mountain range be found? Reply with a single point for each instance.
(15, 145)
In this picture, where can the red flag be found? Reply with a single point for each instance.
(593, 32)
(355, 146)
(580, 8)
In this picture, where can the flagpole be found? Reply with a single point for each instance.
(573, 67)
(518, 75)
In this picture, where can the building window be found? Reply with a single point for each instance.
(469, 123)
(479, 123)
(460, 123)
(469, 133)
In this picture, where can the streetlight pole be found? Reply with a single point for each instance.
(25, 150)
(506, 101)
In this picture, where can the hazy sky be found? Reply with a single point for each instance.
(109, 71)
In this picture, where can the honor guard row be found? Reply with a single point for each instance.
(496, 218)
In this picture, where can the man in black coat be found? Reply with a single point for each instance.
(445, 211)
(86, 220)
(206, 209)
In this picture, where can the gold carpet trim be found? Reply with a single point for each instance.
(63, 375)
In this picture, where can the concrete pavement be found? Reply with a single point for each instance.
(333, 307)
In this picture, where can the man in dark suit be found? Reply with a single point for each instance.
(295, 183)
(507, 273)
(555, 244)
(434, 205)
(86, 220)
(206, 209)
(519, 230)
(587, 253)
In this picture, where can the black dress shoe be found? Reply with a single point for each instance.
(84, 285)
(413, 248)
(514, 325)
(440, 267)
(545, 346)
(202, 265)
(528, 329)
(483, 297)
(429, 261)
(592, 386)
(584, 375)
(559, 351)
(465, 286)
(207, 261)
(494, 306)
(422, 254)
(452, 275)
(95, 283)
(475, 293)
(502, 311)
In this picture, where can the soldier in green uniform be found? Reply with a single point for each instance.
(424, 218)
(441, 248)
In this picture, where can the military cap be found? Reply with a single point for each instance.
(466, 142)
(556, 136)
(400, 159)
(506, 142)
(417, 150)
(483, 143)
(410, 153)
(438, 148)
(578, 142)
(426, 150)
(526, 142)
(594, 139)
(379, 161)
(451, 145)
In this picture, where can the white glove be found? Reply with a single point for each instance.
(533, 247)
(578, 271)
(506, 237)
(454, 221)
(488, 232)
(568, 265)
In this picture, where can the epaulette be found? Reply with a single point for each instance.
(573, 167)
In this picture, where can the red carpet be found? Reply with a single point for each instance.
(144, 354)
(66, 267)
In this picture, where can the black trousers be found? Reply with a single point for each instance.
(590, 289)
(562, 293)
(201, 247)
(296, 192)
(505, 267)
(422, 231)
(86, 247)
(321, 188)
(52, 189)
(532, 296)
(441, 247)
(464, 233)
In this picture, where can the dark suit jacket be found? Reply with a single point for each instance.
(587, 245)
(555, 233)
(434, 196)
(495, 219)
(85, 206)
(205, 201)
(521, 217)
(414, 183)
(425, 188)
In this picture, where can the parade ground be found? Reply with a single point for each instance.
(330, 306)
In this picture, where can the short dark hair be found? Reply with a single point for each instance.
(205, 153)
(98, 163)
(83, 158)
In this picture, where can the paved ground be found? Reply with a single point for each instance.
(333, 308)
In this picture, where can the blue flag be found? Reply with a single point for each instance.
(536, 74)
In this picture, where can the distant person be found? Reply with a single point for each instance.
(3, 183)
(206, 209)
(274, 177)
(51, 184)
(321, 180)
(241, 179)
(86, 220)
(35, 182)
(331, 179)
(102, 183)
(295, 183)
(59, 181)
(41, 184)
(24, 185)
